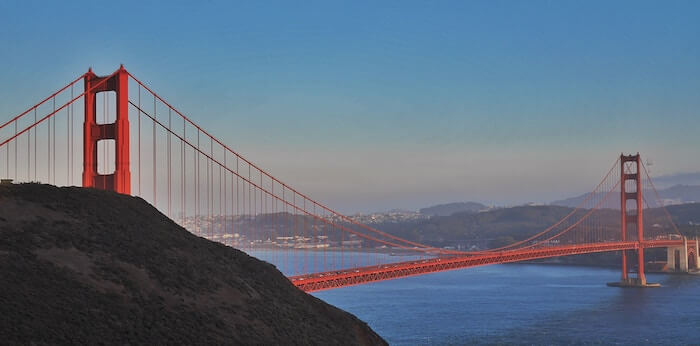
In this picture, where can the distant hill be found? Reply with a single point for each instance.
(677, 194)
(84, 266)
(451, 208)
(665, 181)
(685, 215)
(503, 226)
(482, 229)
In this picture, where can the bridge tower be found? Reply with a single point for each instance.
(631, 191)
(120, 180)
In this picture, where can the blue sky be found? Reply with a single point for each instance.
(374, 105)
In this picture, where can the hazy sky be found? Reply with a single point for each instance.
(375, 105)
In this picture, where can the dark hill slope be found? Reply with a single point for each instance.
(87, 266)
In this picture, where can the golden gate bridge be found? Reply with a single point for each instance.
(115, 133)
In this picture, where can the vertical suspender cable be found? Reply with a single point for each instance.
(208, 196)
(325, 239)
(196, 190)
(72, 143)
(169, 166)
(104, 147)
(274, 222)
(194, 179)
(304, 269)
(29, 154)
(314, 240)
(262, 213)
(48, 144)
(296, 230)
(68, 144)
(105, 110)
(16, 142)
(53, 144)
(221, 220)
(286, 233)
(225, 188)
(155, 198)
(250, 211)
(35, 152)
(210, 192)
(183, 173)
(238, 204)
(139, 140)
(233, 214)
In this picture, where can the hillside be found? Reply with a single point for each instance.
(676, 194)
(486, 229)
(451, 208)
(84, 266)
(500, 227)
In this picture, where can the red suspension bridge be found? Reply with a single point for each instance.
(116, 133)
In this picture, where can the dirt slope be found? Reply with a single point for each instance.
(88, 266)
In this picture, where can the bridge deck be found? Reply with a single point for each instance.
(356, 276)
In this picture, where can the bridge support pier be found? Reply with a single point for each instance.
(683, 259)
(631, 171)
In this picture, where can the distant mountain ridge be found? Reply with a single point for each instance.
(452, 208)
(676, 194)
(665, 181)
(502, 226)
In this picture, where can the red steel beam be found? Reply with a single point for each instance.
(357, 276)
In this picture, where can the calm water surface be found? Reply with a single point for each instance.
(526, 303)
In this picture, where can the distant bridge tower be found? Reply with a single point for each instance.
(120, 180)
(630, 171)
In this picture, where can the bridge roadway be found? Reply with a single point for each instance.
(362, 275)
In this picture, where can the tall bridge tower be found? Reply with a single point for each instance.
(120, 180)
(630, 168)
(631, 195)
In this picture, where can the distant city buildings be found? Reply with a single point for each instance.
(247, 231)
(391, 217)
